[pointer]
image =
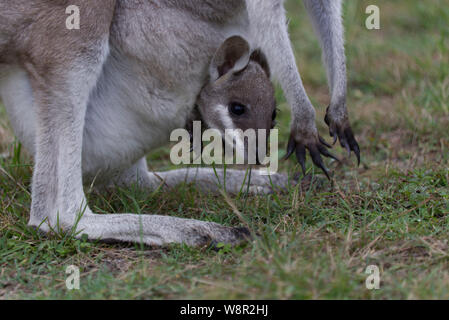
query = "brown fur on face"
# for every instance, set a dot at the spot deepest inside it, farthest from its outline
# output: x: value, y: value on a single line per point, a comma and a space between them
x: 245, y: 87
x: 250, y: 87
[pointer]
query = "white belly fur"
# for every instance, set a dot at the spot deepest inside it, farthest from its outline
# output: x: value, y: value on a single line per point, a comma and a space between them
x: 123, y: 120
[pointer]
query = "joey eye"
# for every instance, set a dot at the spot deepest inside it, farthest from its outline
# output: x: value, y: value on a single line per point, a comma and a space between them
x: 237, y: 109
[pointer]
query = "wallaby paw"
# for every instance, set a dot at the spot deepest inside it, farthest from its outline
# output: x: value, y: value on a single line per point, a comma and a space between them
x: 339, y: 128
x: 317, y: 146
x: 211, y: 234
x: 268, y: 184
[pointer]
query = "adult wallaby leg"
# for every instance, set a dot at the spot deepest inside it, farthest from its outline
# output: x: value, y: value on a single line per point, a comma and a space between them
x: 62, y: 66
x: 206, y: 179
x: 327, y: 20
x: 61, y: 91
x: 269, y: 31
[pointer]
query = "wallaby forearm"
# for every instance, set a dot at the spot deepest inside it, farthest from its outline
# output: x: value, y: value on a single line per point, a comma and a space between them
x: 269, y: 31
x: 326, y: 17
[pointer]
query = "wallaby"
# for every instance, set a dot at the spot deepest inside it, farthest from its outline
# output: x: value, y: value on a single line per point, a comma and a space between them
x: 89, y: 103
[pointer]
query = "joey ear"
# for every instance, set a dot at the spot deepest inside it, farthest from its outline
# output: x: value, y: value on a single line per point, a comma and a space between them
x: 259, y: 57
x: 232, y: 56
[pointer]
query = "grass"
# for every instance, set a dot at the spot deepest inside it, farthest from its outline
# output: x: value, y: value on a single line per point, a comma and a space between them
x: 317, y: 239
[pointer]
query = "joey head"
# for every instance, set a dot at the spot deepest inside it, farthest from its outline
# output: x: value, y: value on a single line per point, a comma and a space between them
x: 238, y: 93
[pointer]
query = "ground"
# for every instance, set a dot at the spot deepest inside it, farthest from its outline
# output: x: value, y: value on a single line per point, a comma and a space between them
x: 317, y: 239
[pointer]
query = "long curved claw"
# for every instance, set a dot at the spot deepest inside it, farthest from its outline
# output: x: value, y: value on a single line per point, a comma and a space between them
x: 301, y: 157
x: 318, y: 161
x: 300, y: 151
x: 290, y: 147
x: 316, y: 149
x: 353, y: 143
x: 343, y: 132
x: 326, y: 152
x: 324, y: 142
x: 332, y: 127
